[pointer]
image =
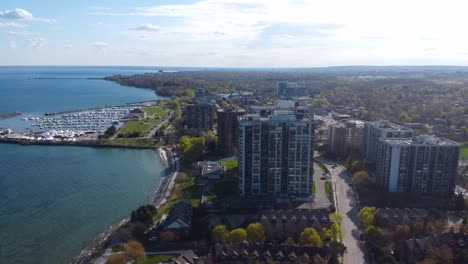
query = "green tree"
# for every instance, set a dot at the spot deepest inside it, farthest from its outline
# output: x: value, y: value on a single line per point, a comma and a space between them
x: 219, y: 234
x: 237, y: 235
x: 310, y: 237
x: 361, y: 178
x: 255, y: 233
x: 430, y: 228
x: 356, y: 165
x: 110, y: 131
x: 191, y: 148
x: 326, y: 234
x: 376, y: 237
x: 143, y: 213
x: 289, y: 241
x: 367, y: 215
x: 336, y: 217
x: 336, y: 231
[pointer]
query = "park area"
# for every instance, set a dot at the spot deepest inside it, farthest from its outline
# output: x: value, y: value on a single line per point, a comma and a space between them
x: 464, y: 151
x: 140, y: 128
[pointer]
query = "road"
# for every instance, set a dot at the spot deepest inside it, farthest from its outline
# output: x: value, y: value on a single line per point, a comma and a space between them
x: 320, y: 196
x: 347, y: 206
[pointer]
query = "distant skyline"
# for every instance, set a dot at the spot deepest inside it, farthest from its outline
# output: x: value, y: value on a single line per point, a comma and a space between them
x: 233, y: 33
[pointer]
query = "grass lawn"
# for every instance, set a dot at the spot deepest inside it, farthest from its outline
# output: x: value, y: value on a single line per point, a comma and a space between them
x: 230, y: 164
x: 314, y: 189
x: 129, y: 142
x: 326, y: 186
x: 184, y: 190
x: 143, y: 126
x: 155, y: 259
x: 157, y: 111
x: 464, y: 151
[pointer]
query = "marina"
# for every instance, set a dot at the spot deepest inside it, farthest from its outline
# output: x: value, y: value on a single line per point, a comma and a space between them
x: 97, y: 120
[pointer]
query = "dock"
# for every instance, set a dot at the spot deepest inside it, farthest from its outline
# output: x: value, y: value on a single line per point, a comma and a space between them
x: 66, y: 78
x: 10, y: 115
x: 134, y: 104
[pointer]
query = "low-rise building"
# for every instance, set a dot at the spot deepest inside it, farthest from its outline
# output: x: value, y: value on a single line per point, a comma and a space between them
x: 137, y: 113
x: 281, y: 224
x: 389, y: 217
x: 416, y: 249
x: 211, y: 170
x: 265, y: 253
x: 178, y: 221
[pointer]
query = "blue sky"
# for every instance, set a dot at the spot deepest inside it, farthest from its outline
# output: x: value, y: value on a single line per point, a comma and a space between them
x: 233, y: 33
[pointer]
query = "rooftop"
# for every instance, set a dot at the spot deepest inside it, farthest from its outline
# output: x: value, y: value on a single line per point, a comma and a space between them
x: 423, y: 140
x: 389, y: 125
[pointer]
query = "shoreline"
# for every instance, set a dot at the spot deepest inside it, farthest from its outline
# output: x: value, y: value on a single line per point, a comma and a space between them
x: 89, y: 143
x: 99, y: 243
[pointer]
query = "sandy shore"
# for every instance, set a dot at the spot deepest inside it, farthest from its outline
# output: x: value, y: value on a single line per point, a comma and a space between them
x: 163, y: 191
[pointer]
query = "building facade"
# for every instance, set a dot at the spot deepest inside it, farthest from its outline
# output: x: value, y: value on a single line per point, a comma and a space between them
x: 276, y: 154
x: 422, y: 165
x: 228, y: 129
x: 200, y: 112
x: 200, y: 115
x: 373, y: 131
x: 290, y: 90
x: 346, y: 137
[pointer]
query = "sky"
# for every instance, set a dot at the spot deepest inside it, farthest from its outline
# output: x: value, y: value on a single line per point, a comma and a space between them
x: 233, y: 33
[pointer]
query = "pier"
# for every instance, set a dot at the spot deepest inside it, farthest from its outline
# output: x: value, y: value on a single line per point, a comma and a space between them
x: 10, y: 115
x: 135, y: 104
x: 67, y: 78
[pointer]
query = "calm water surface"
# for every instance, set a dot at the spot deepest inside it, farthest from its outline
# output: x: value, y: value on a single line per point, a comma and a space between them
x: 54, y: 199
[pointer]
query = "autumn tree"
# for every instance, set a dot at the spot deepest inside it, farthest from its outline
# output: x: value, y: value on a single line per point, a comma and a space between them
x: 367, y: 215
x: 442, y: 254
x: 402, y: 232
x: 120, y: 258
x: 310, y: 237
x: 135, y: 250
x: 237, y: 235
x: 219, y: 234
x: 462, y: 229
x: 167, y: 236
x: 255, y: 233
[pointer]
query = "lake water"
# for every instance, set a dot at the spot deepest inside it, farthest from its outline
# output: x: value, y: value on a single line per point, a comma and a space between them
x: 54, y: 199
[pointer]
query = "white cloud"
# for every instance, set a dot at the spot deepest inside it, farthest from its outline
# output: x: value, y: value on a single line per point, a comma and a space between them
x: 68, y: 44
x: 21, y: 14
x: 37, y: 42
x: 100, y: 46
x: 146, y: 27
x: 17, y: 33
x: 13, y: 25
x: 12, y: 45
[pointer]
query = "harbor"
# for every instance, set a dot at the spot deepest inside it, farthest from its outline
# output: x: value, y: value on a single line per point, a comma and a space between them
x: 85, y: 121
